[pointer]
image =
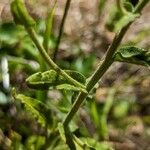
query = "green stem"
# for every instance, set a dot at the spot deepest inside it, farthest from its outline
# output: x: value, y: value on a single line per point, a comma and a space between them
x: 97, y: 75
x: 74, y: 108
x: 62, y: 27
x: 50, y: 62
x: 141, y: 5
x: 101, y: 69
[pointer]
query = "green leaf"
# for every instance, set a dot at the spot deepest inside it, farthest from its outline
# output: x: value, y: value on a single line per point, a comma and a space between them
x: 39, y: 110
x: 76, y: 75
x: 80, y: 145
x: 70, y: 87
x: 52, y: 79
x: 128, y: 52
x: 133, y: 55
x: 43, y: 80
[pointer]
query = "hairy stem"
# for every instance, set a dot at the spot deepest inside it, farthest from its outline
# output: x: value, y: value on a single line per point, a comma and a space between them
x: 62, y: 27
x: 102, y: 67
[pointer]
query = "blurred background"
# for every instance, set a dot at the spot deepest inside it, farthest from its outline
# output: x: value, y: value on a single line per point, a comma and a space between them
x: 88, y: 32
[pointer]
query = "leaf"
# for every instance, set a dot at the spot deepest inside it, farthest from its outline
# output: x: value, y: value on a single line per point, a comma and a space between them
x: 133, y: 55
x: 129, y: 17
x: 39, y: 110
x: 128, y: 52
x: 128, y: 6
x: 70, y: 87
x: 82, y: 145
x: 76, y: 75
x: 50, y: 79
x: 43, y: 80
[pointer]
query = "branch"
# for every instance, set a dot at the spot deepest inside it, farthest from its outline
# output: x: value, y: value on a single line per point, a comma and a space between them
x: 102, y: 67
x: 46, y: 57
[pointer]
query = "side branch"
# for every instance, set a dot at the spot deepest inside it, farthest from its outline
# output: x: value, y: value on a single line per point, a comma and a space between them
x: 50, y: 62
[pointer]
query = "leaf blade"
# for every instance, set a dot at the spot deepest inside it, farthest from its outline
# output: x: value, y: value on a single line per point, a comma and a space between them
x: 134, y: 55
x: 39, y: 110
